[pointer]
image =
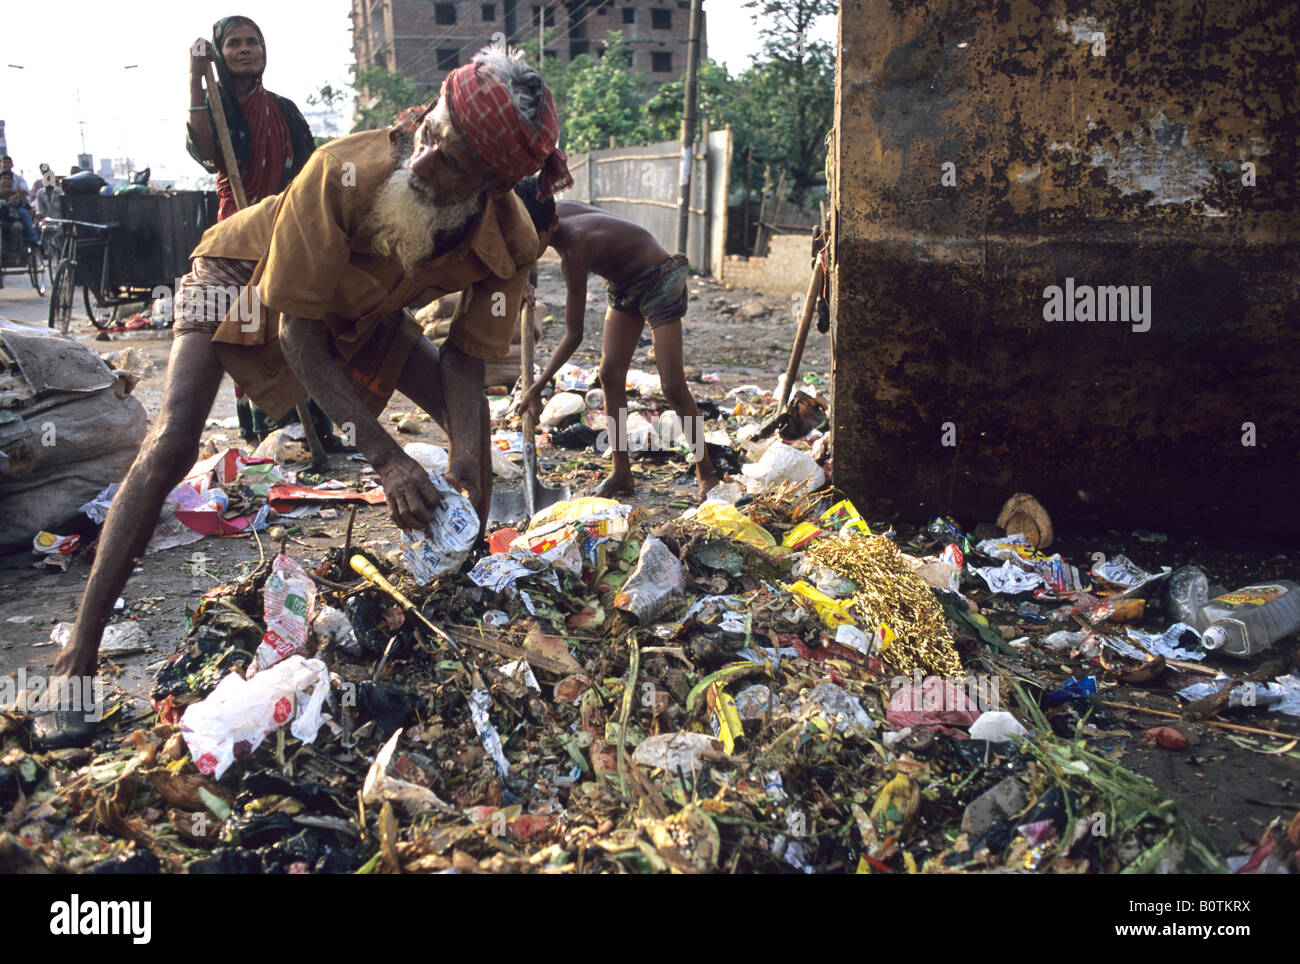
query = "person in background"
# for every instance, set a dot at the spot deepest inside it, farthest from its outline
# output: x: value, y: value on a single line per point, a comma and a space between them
x: 7, y: 167
x: 644, y: 284
x: 49, y: 196
x: 15, y: 216
x: 271, y: 142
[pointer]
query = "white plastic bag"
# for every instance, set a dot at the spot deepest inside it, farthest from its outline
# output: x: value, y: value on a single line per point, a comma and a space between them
x: 781, y: 464
x: 240, y: 713
x: 288, y: 603
x: 562, y: 407
x: 432, y: 458
x: 447, y: 540
x: 997, y: 726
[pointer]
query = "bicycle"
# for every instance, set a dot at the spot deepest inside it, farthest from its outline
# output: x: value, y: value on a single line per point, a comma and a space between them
x: 20, y: 256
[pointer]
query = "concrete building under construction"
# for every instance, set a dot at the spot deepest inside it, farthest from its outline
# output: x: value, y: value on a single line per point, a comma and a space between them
x: 424, y: 40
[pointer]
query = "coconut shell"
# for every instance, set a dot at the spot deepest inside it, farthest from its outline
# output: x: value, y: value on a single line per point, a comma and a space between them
x: 1023, y: 514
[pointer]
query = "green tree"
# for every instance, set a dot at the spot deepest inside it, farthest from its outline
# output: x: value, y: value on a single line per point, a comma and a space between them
x: 793, y: 89
x: 602, y: 100
x: 388, y: 93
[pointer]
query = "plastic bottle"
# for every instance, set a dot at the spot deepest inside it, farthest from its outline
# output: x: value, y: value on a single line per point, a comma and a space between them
x: 1248, y: 621
x: 1186, y: 593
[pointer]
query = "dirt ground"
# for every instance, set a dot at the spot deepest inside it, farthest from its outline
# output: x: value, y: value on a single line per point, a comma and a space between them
x: 1225, y: 782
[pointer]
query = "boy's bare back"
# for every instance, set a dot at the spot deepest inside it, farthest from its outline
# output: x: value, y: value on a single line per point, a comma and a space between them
x: 610, y: 246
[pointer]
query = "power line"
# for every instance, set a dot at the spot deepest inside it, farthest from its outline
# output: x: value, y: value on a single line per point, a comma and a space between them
x: 421, y: 61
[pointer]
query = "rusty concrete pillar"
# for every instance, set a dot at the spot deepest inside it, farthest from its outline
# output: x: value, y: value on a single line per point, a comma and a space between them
x: 1140, y: 158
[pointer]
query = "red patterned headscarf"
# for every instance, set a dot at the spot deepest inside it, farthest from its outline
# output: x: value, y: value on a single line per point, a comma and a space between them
x: 498, y: 133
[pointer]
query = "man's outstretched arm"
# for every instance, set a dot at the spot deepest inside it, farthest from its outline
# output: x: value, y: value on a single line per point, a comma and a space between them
x: 411, y: 496
x: 468, y: 424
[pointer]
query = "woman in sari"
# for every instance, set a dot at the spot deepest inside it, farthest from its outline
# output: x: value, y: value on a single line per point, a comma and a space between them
x: 271, y: 141
x: 270, y: 138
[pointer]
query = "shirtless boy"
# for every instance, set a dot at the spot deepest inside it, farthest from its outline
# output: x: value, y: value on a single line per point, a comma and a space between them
x: 644, y: 284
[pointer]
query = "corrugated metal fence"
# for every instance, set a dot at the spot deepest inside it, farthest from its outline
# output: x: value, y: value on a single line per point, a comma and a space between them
x: 641, y: 184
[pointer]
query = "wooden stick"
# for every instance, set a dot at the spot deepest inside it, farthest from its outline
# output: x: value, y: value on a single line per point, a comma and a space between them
x: 223, y: 138
x: 1175, y: 716
x: 801, y: 337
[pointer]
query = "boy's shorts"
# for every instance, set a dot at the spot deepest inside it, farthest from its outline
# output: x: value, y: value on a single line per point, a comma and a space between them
x: 657, y: 294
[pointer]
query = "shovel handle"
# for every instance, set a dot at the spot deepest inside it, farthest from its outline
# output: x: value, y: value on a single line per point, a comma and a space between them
x: 364, y: 567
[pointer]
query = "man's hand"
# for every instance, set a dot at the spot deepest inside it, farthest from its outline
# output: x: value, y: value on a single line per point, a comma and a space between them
x: 463, y: 473
x: 532, y: 401
x: 411, y: 496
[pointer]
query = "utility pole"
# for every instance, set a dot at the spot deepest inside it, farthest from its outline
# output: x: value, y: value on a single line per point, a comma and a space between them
x: 688, y: 126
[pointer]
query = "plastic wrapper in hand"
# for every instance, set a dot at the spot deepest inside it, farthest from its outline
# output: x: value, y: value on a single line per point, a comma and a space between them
x: 657, y: 579
x: 236, y: 716
x: 288, y: 604
x: 562, y: 408
x: 781, y: 464
x: 447, y: 540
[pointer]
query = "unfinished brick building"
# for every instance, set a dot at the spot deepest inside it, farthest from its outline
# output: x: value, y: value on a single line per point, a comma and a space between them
x: 424, y: 39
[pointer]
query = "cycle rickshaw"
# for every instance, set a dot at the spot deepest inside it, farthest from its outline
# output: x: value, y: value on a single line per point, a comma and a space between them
x: 122, y: 249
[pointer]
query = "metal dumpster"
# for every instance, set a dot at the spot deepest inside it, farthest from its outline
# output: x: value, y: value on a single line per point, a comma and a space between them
x: 1005, y: 172
x: 153, y: 234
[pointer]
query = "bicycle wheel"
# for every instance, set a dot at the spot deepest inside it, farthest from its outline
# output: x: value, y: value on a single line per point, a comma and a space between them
x: 61, y: 292
x: 90, y: 310
x: 36, y: 269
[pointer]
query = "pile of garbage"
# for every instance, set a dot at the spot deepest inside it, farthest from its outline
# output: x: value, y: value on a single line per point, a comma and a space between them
x: 767, y: 682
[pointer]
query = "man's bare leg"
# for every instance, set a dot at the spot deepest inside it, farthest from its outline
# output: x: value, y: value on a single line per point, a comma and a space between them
x: 168, y: 452
x: 621, y: 333
x: 421, y: 382
x: 672, y: 376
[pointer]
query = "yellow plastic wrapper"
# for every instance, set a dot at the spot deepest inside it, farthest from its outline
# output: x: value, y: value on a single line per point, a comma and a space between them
x: 831, y: 611
x: 587, y: 509
x: 801, y: 535
x: 729, y: 520
x: 724, y: 718
x: 844, y: 515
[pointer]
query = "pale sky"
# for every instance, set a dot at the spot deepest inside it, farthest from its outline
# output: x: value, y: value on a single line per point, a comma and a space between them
x: 130, y: 64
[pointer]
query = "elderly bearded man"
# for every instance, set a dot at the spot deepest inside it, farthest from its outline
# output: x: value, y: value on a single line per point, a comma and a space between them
x: 374, y: 222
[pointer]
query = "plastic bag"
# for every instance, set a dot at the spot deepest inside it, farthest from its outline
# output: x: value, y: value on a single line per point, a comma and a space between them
x: 562, y: 409
x: 288, y: 602
x: 236, y: 716
x: 836, y: 706
x: 781, y: 464
x: 727, y: 519
x: 447, y: 540
x: 652, y: 585
x: 997, y: 726
x: 380, y: 786
x: 432, y: 458
x: 333, y: 628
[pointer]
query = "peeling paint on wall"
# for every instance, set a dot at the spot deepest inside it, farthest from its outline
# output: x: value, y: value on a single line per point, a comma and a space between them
x: 1156, y: 157
x: 1082, y: 30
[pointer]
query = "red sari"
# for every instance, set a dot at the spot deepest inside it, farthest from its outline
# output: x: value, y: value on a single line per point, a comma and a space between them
x: 272, y: 152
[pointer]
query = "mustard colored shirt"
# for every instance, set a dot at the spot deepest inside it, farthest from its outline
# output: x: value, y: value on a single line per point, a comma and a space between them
x: 313, y: 261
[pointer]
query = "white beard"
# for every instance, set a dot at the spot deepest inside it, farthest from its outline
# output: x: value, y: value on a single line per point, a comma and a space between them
x: 403, y: 219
